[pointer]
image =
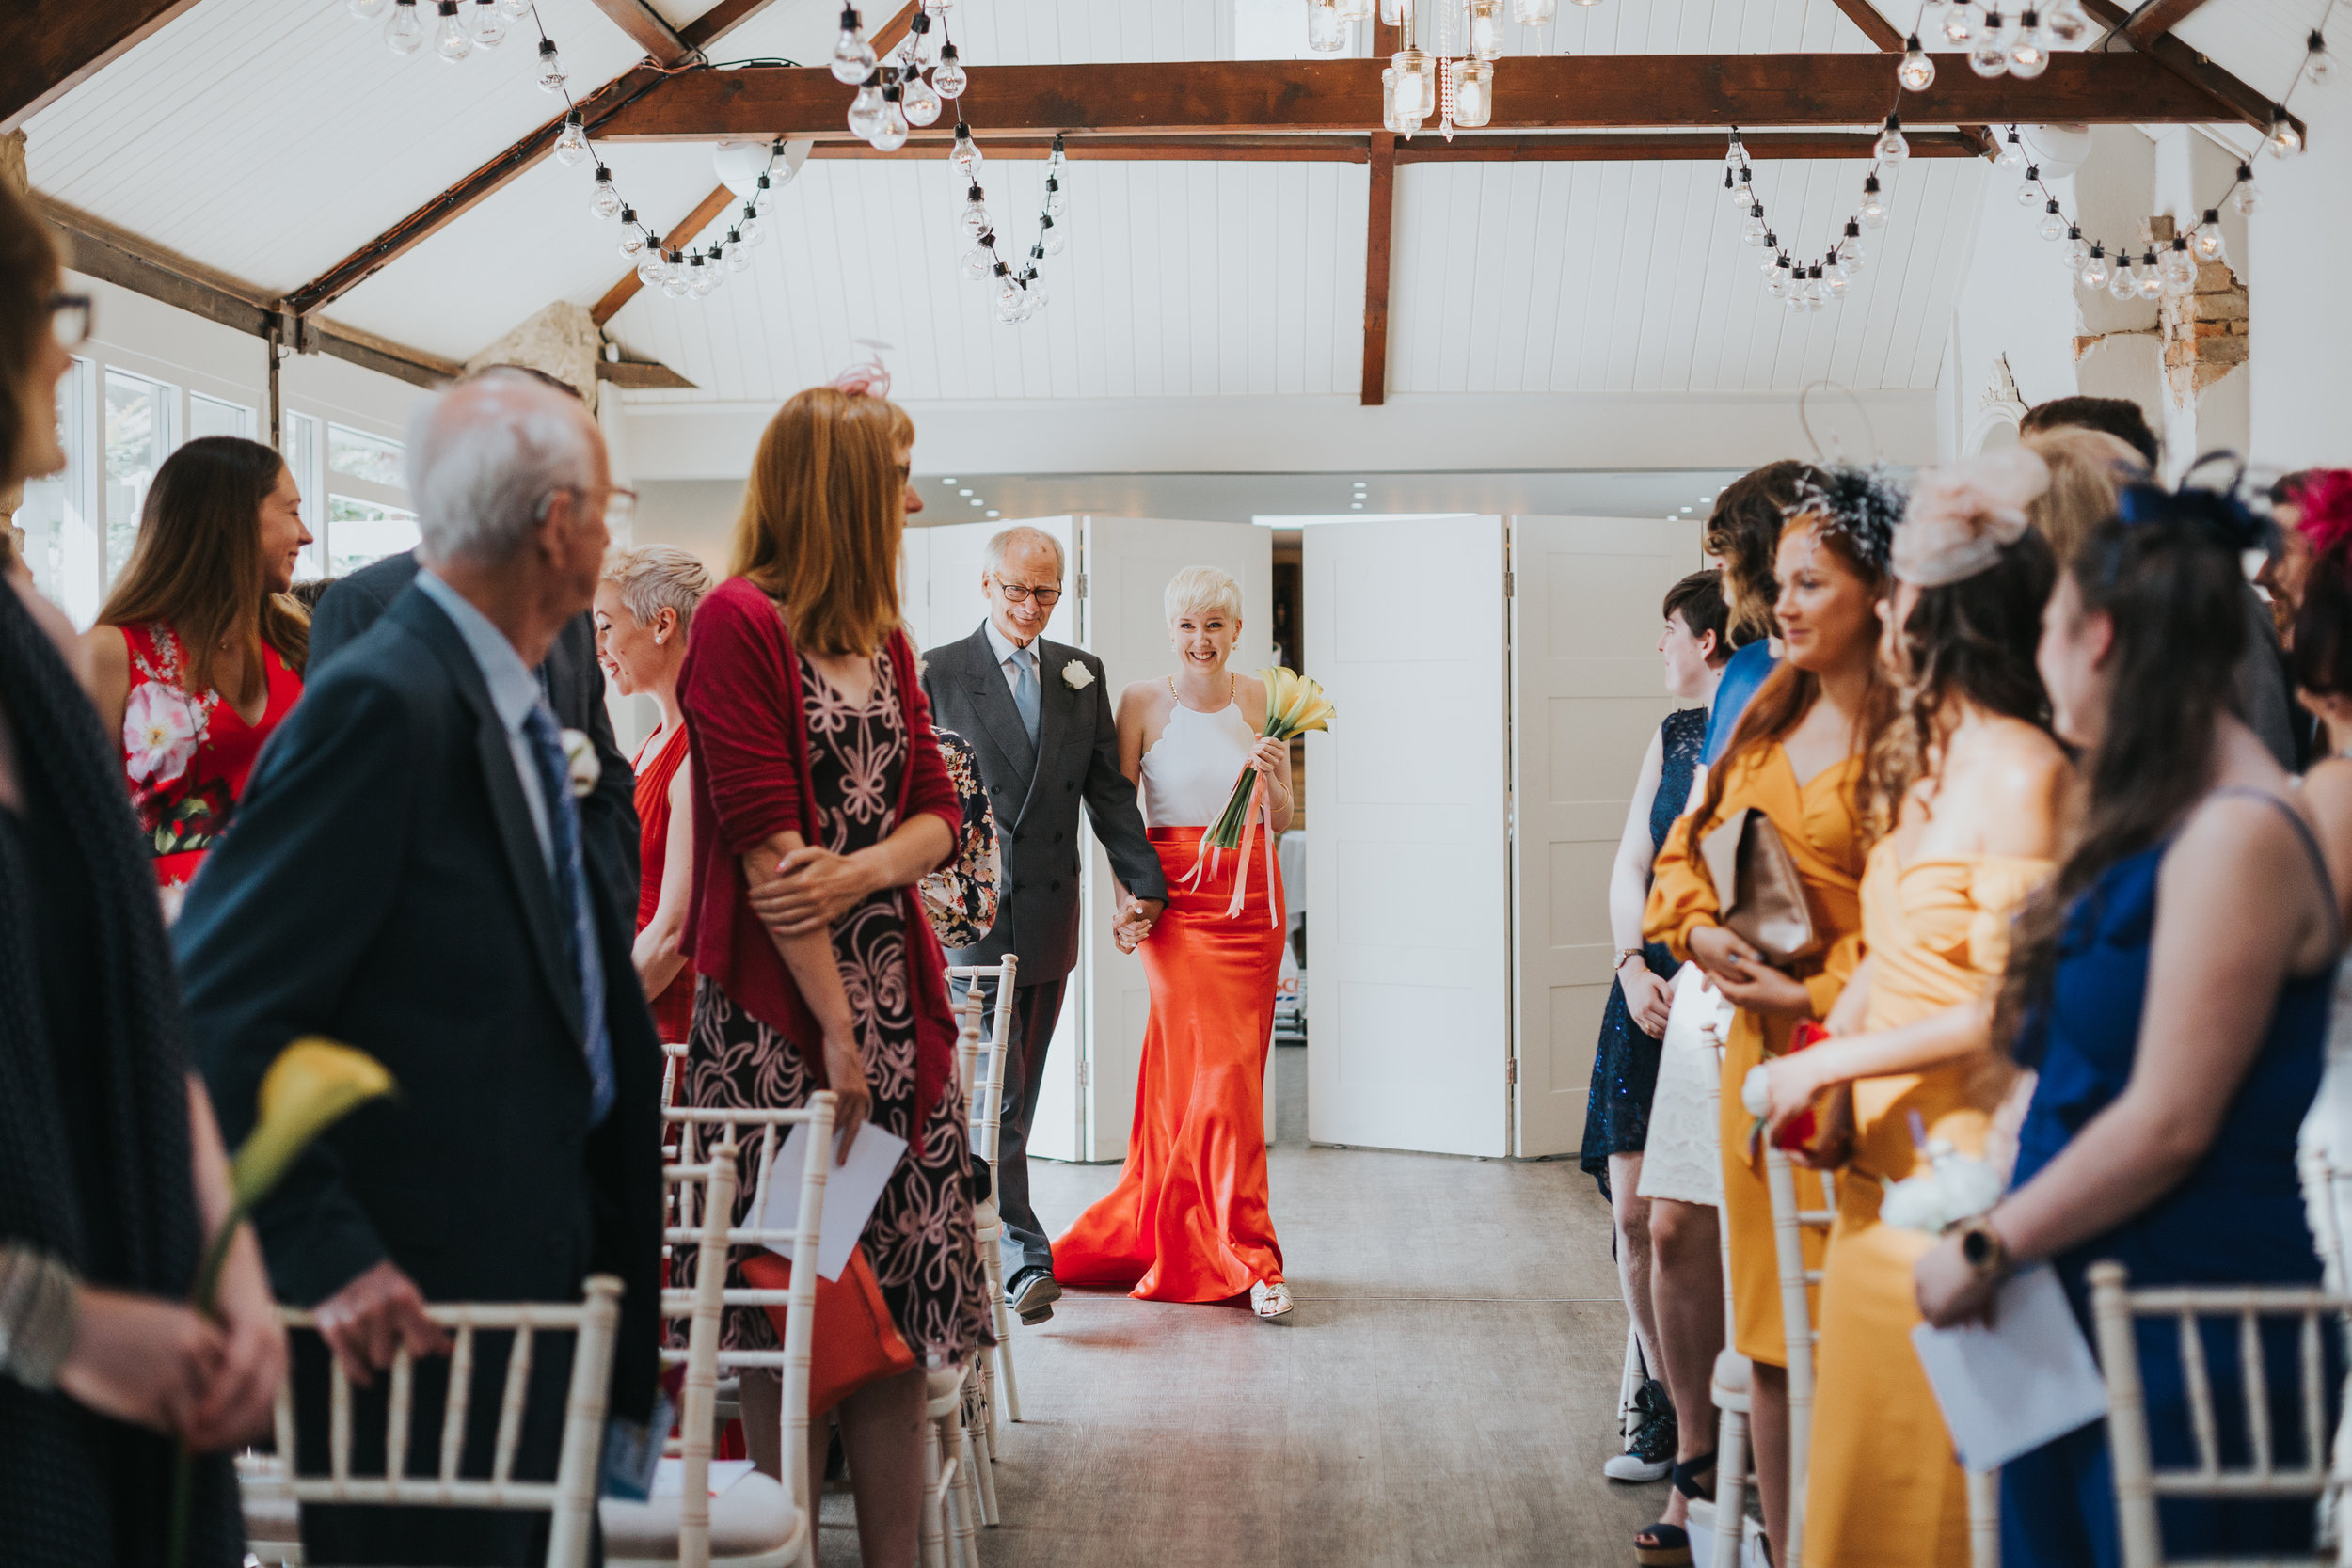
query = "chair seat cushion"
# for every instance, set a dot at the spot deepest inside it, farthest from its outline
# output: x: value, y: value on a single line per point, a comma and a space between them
x: 753, y: 1516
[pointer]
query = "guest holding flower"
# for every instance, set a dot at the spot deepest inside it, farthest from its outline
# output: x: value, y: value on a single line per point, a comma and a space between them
x: 645, y: 601
x: 198, y: 656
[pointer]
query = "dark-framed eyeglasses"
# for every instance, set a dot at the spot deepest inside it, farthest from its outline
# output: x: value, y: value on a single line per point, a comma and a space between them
x: 70, y: 319
x: 1017, y: 593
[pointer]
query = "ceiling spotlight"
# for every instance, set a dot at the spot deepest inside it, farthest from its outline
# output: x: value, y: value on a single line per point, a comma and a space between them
x: 1355, y: 506
x: 995, y: 514
x: 959, y: 492
x: 1686, y: 509
x: 977, y: 502
x: 949, y: 480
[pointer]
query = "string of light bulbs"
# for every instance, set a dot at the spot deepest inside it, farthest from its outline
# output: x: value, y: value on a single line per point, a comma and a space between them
x: 1808, y: 287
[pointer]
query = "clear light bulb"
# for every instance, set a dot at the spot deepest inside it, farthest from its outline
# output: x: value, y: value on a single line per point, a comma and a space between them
x: 1769, y: 257
x: 1964, y: 22
x: 891, y: 133
x: 2012, y: 151
x: 1325, y: 33
x: 852, y: 56
x: 1008, y: 292
x: 1473, y: 92
x: 1053, y: 242
x: 2052, y: 226
x: 1916, y: 72
x: 753, y: 227
x: 1817, y: 289
x: 762, y: 194
x: 738, y: 254
x: 651, y: 269
x: 1989, y: 56
x: 1833, y: 283
x: 1892, y: 149
x: 1056, y: 202
x: 2207, y: 243
x: 404, y: 30
x: 2319, y: 68
x: 515, y: 9
x: 2123, y: 285
x: 2078, y: 248
x: 2029, y: 52
x: 976, y: 262
x: 701, y: 279
x: 549, y: 75
x: 1873, y: 211
x: 484, y: 22
x: 1751, y: 231
x: 919, y: 102
x: 2151, y: 277
x: 571, y: 143
x: 2068, y: 24
x: 1532, y: 13
x: 605, y: 202
x: 2285, y: 140
x: 1779, y: 281
x: 965, y: 152
x: 865, y: 109
x: 2095, y: 272
x: 1486, y: 29
x: 450, y: 39
x: 974, y: 214
x: 1742, y: 189
x: 2248, y: 196
x: 632, y: 237
x: 948, y: 77
x: 1851, y: 255
x: 2176, y: 274
x: 674, y: 283
x: 366, y: 10
x: 2029, y: 193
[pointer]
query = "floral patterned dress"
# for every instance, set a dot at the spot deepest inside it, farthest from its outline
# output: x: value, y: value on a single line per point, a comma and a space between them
x: 960, y: 899
x: 919, y: 1239
x: 186, y: 758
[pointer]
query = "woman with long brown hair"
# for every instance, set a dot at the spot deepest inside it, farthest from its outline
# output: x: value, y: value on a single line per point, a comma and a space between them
x: 819, y: 801
x: 197, y: 657
x: 1796, y: 758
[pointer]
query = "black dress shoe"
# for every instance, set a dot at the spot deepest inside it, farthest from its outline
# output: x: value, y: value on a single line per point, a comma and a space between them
x: 1032, y: 1292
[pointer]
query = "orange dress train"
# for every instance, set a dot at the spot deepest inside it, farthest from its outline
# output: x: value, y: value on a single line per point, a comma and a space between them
x: 1188, y: 1220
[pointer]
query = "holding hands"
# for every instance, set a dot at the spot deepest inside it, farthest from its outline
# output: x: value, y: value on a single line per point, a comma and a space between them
x: 1136, y: 917
x: 1745, y: 980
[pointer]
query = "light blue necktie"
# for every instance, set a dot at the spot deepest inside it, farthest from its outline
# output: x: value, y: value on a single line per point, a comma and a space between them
x: 1025, y: 689
x: 571, y: 895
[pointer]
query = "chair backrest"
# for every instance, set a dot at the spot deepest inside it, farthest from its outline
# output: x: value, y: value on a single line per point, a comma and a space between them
x: 700, y: 1304
x: 2323, y: 1205
x: 1790, y: 1223
x: 2115, y: 1310
x: 706, y: 1131
x: 571, y: 1496
x: 981, y: 1056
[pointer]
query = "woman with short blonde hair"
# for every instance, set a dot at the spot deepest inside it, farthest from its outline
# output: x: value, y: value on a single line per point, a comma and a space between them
x: 821, y: 801
x: 2088, y: 468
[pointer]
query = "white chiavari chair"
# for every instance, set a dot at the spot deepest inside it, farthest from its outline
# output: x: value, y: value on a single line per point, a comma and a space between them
x: 757, y: 1522
x: 570, y: 1497
x: 1796, y: 1282
x: 985, y: 1089
x: 2322, y: 1476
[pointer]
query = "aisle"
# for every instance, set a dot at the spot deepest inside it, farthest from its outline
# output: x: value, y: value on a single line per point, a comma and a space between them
x: 1443, y: 1394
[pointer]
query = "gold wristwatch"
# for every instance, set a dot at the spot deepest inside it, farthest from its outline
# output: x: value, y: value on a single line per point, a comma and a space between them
x: 1982, y: 1249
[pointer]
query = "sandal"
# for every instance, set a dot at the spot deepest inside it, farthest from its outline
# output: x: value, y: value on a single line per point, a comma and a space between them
x: 1270, y: 1301
x: 1669, y: 1546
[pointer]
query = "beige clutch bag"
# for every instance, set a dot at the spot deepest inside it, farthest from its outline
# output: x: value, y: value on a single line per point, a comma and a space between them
x: 1757, y: 881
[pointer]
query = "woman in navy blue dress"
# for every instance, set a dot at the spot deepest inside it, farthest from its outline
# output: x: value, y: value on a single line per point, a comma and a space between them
x: 2173, y: 989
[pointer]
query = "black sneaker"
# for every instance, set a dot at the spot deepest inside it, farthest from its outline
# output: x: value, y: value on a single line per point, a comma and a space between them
x: 1032, y: 1292
x: 1649, y: 1455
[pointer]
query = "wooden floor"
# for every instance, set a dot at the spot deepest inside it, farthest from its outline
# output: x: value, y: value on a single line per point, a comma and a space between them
x: 1444, y: 1394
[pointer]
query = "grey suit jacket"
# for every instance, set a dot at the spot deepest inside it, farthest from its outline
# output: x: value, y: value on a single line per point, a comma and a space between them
x: 1035, y: 792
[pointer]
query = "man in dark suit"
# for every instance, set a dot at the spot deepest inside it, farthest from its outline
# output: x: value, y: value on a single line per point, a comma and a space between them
x: 408, y: 875
x: 1039, y: 717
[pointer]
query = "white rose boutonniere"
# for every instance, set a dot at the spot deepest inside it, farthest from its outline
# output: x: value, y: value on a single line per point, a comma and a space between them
x: 1076, y: 676
x: 581, y: 762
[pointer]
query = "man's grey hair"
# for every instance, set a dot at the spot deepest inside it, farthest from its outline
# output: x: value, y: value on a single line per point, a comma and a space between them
x: 483, y: 459
x: 1004, y: 543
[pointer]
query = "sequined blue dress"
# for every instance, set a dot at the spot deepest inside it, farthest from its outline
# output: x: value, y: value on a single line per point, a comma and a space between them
x: 2237, y: 1219
x: 1625, y: 1063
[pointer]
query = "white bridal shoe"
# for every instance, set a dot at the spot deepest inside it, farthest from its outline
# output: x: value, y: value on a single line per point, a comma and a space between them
x: 1270, y: 1301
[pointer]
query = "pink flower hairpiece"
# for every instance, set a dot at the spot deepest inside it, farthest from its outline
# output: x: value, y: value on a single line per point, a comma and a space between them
x: 2326, y: 504
x: 871, y: 380
x: 1964, y: 514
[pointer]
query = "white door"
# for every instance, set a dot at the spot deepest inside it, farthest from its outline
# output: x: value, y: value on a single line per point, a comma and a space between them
x: 1586, y: 695
x: 1125, y: 563
x: 1409, y: 947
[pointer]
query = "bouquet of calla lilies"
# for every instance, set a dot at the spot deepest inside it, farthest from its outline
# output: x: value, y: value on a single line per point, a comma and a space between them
x: 1294, y: 706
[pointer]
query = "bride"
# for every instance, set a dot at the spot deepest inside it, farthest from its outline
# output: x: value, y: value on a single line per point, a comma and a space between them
x: 1188, y: 1220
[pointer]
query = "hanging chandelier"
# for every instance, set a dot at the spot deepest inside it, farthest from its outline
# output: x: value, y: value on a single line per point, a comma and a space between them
x: 1454, y: 89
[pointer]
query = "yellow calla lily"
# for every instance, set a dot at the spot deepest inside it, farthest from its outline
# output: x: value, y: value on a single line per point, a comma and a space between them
x: 314, y: 1083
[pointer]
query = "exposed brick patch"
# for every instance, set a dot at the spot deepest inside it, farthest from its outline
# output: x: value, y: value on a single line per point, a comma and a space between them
x: 2204, y: 331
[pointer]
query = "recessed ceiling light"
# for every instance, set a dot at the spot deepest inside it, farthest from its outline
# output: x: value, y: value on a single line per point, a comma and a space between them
x: 995, y: 514
x: 977, y: 502
x: 1355, y: 506
x: 949, y: 480
x: 1686, y: 509
x: 963, y: 492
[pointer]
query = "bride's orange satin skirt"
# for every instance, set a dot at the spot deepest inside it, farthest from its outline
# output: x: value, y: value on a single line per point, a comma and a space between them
x: 1188, y: 1220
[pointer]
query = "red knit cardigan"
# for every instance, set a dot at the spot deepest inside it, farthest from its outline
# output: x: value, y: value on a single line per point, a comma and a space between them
x: 741, y: 690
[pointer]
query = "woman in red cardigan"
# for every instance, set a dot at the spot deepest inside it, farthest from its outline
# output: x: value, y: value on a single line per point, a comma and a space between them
x: 819, y: 800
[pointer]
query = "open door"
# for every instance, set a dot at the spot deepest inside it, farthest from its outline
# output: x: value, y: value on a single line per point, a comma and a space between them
x: 1585, y: 699
x: 1408, y: 945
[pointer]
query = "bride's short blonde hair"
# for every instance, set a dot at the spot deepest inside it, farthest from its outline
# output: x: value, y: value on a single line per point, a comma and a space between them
x: 1203, y: 588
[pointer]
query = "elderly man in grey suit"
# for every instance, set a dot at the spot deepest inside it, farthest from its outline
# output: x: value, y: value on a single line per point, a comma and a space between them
x: 1039, y: 716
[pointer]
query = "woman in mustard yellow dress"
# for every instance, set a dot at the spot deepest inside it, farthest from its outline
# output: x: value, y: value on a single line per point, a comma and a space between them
x: 1969, y: 781
x: 1797, y: 756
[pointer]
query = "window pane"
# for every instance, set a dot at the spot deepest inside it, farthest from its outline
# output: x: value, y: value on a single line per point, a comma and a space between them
x: 212, y: 417
x: 364, y: 456
x: 299, y: 436
x: 359, y: 532
x: 60, y: 536
x: 139, y: 437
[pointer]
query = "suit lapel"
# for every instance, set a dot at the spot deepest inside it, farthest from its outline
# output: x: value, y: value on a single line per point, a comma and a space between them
x: 985, y: 680
x: 516, y: 837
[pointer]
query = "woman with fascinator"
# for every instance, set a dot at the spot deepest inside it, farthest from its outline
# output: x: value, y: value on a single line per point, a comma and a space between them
x: 1795, y: 762
x: 2171, y: 990
x: 1964, y: 788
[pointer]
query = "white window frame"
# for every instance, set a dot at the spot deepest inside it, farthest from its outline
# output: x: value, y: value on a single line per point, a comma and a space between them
x: 171, y: 415
x: 243, y: 420
x: 309, y: 476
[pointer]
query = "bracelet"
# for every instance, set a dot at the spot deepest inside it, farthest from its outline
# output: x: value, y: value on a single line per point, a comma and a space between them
x: 40, y: 1311
x: 1982, y: 1249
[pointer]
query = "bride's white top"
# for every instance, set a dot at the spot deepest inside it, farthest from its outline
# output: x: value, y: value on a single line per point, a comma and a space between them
x: 1189, y: 771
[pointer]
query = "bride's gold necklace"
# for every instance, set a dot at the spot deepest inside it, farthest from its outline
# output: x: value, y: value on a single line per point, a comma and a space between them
x: 1233, y: 684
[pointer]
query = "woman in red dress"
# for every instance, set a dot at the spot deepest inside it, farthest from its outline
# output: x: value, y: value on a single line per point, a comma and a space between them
x: 198, y: 656
x: 643, y: 606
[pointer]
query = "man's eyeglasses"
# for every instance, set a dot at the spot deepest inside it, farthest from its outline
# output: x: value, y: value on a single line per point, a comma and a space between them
x: 69, y: 319
x: 1016, y: 593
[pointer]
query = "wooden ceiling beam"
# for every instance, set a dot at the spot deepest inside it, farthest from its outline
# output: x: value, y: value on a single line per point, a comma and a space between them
x: 48, y: 50
x: 1880, y: 31
x: 1670, y: 147
x: 2230, y: 98
x: 2157, y: 18
x: 648, y: 31
x: 494, y: 176
x: 1555, y: 93
x: 1379, y: 235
